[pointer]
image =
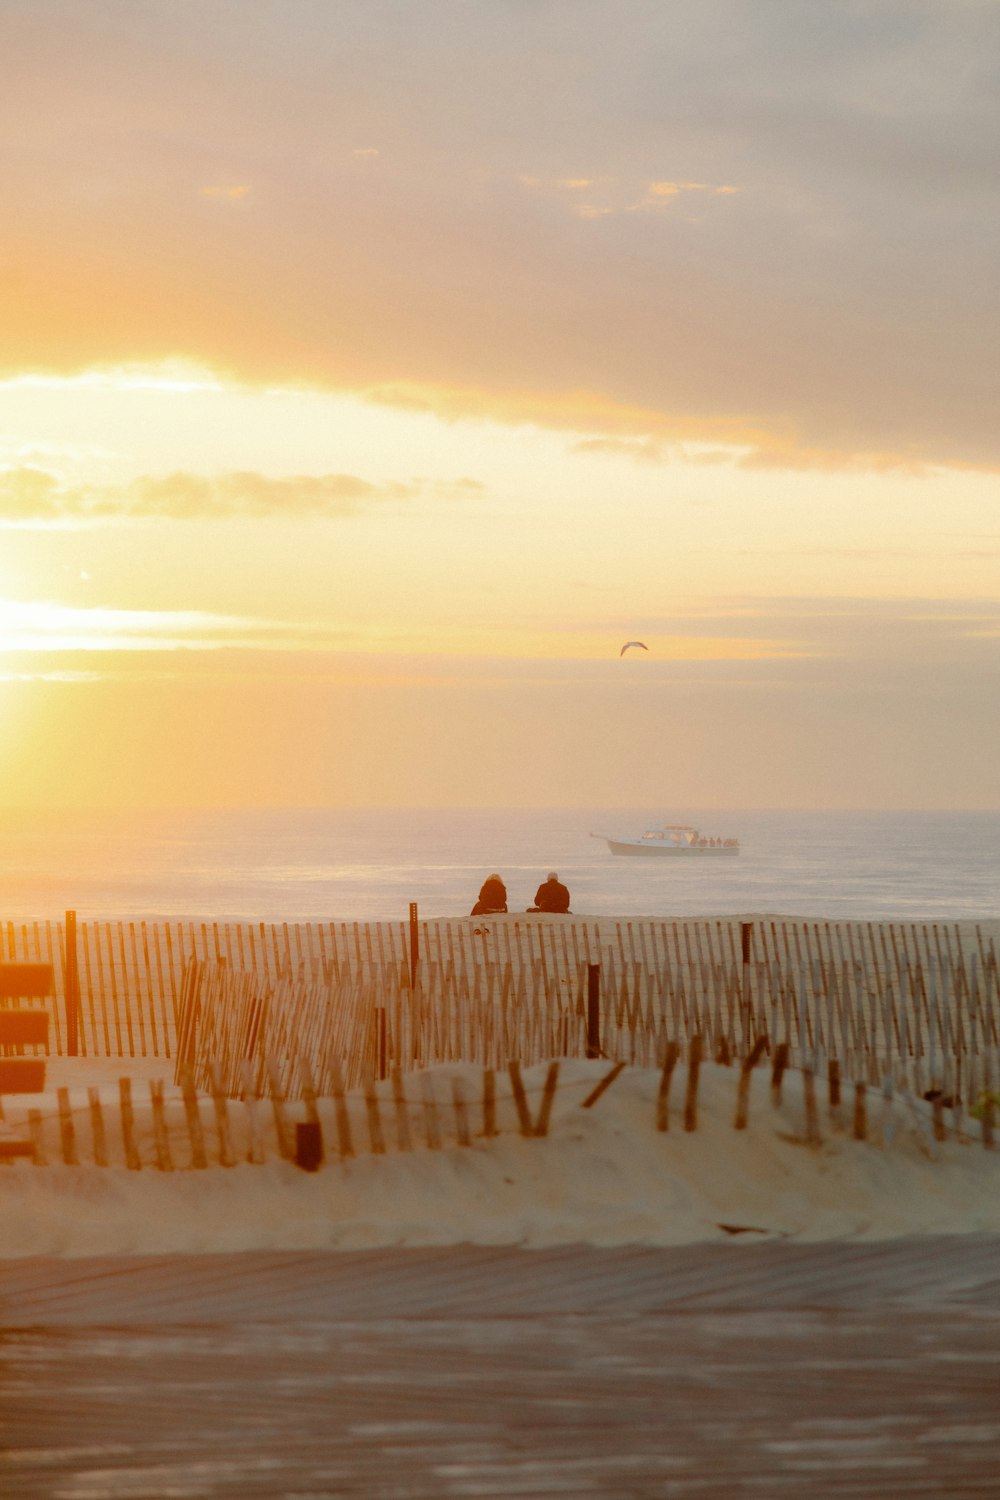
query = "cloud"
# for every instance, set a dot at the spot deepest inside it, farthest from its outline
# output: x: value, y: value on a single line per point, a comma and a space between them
x: 612, y: 195
x: 231, y: 193
x: 642, y: 450
x: 40, y: 627
x: 33, y: 495
x: 826, y: 638
x: 841, y: 303
x: 73, y: 675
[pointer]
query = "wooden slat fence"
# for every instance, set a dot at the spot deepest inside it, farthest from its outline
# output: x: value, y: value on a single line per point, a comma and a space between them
x: 933, y: 1028
x: 868, y: 993
x: 149, y: 1127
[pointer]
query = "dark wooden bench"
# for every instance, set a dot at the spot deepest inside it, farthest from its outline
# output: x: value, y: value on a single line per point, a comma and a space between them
x: 20, y: 1028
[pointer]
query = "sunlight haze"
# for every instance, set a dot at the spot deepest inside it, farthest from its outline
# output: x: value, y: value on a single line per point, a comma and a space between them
x: 371, y: 372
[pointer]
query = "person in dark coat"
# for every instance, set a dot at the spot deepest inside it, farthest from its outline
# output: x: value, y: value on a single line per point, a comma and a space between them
x: 551, y: 896
x: 492, y: 897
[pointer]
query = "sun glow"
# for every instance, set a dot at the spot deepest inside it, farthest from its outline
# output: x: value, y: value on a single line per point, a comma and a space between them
x: 43, y: 626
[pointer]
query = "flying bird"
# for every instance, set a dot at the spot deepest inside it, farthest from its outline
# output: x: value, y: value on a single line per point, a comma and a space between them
x: 627, y: 644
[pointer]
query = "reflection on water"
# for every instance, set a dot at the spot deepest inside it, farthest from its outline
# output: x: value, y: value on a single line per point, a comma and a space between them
x: 322, y: 865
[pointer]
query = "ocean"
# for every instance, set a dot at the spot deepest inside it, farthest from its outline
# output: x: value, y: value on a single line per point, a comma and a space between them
x: 300, y: 865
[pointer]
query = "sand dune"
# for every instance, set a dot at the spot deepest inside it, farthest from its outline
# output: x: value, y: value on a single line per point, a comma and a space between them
x: 603, y: 1176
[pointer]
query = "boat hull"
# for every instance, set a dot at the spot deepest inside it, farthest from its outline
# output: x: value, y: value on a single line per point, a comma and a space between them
x: 649, y: 850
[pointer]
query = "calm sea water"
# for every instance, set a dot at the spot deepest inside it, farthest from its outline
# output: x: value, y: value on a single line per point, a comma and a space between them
x: 322, y: 865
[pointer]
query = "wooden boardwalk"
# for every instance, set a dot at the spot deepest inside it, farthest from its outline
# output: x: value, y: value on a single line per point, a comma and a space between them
x: 831, y: 1371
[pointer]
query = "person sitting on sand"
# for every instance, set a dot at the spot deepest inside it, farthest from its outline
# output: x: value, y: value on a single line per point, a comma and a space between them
x: 552, y: 896
x: 492, y: 897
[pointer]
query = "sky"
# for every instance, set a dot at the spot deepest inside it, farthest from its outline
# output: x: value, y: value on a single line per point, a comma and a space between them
x: 371, y: 371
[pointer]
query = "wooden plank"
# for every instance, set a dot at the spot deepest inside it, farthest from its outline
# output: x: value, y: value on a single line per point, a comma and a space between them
x: 12, y: 1147
x: 26, y: 981
x: 22, y: 1075
x: 24, y: 1028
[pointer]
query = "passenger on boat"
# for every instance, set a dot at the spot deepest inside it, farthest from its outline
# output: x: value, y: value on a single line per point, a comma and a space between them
x: 551, y: 896
x: 492, y: 897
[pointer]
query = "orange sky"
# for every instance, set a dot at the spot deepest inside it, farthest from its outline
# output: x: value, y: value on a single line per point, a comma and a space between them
x: 370, y: 372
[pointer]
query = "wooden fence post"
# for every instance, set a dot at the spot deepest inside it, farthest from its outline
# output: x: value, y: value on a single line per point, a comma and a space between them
x: 219, y: 1104
x: 132, y: 1158
x: 743, y: 1087
x: 663, y: 1095
x: 937, y: 1111
x: 593, y: 1010
x: 36, y: 1130
x: 548, y: 1095
x: 71, y: 989
x: 67, y: 1130
x: 414, y: 944
x: 432, y: 1124
x: 489, y: 1103
x: 778, y: 1067
x: 192, y: 1114
x: 161, y: 1139
x: 812, y: 1114
x: 860, y: 1130
x: 308, y: 1145
x: 461, y: 1113
x: 691, y: 1095
x: 746, y: 972
x: 402, y: 1111
x: 344, y: 1143
x: 520, y: 1098
x: 97, y: 1128
x: 888, y: 1123
x: 255, y: 1147
x: 277, y: 1107
x: 381, y: 1059
x: 375, y: 1136
x: 604, y: 1084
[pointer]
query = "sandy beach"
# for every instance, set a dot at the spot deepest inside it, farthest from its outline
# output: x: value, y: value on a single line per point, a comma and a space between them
x: 602, y: 1176
x: 446, y: 1172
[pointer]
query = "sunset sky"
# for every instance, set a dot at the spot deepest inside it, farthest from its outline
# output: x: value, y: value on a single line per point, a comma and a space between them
x: 370, y: 370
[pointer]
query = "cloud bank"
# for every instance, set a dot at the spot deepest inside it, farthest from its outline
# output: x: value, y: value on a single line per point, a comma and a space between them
x: 33, y: 495
x: 774, y: 219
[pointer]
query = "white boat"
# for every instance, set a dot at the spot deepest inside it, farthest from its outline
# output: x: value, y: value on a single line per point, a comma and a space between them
x: 677, y: 840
